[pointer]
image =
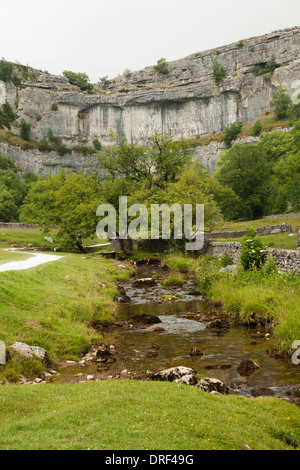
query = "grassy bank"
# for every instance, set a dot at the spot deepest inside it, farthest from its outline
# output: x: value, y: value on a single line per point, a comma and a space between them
x: 141, y: 415
x: 251, y: 295
x: 56, y: 306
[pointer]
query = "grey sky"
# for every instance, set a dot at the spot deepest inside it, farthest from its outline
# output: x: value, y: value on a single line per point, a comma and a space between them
x: 105, y: 37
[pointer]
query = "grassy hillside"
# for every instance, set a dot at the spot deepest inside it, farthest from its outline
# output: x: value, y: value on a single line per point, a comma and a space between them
x: 56, y: 305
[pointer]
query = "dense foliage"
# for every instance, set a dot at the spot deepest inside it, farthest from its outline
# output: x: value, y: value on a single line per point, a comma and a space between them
x: 13, y: 190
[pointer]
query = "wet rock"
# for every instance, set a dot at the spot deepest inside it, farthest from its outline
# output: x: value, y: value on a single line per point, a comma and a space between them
x: 221, y: 365
x: 159, y: 328
x: 262, y: 392
x: 247, y: 367
x: 144, y: 318
x: 194, y: 291
x: 213, y: 385
x: 188, y: 379
x: 146, y: 282
x: 238, y: 382
x: 125, y: 299
x: 104, y: 355
x: 29, y: 352
x: 219, y: 324
x: 153, y: 351
x: 195, y: 352
x: 172, y: 374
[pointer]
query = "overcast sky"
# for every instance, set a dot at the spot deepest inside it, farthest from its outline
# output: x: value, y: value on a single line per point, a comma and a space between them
x: 105, y: 37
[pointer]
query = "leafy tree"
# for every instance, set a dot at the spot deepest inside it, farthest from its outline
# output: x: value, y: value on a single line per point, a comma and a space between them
x: 231, y: 133
x: 257, y: 128
x: 155, y: 164
x: 67, y: 200
x: 195, y: 186
x: 8, y: 207
x: 162, y: 67
x: 245, y: 170
x: 281, y: 103
x: 81, y: 80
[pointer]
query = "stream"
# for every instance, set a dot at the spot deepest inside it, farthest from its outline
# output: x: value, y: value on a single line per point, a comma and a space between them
x: 184, y: 316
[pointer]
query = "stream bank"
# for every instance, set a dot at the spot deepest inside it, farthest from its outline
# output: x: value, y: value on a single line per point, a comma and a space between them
x: 186, y: 323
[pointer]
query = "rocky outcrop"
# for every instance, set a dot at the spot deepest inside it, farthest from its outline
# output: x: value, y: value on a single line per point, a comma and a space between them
x: 186, y: 101
x: 29, y: 352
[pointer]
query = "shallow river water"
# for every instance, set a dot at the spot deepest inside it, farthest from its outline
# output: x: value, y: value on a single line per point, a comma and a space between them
x: 275, y: 376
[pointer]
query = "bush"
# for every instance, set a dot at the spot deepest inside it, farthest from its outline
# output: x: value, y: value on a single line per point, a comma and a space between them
x: 232, y: 132
x: 25, y: 130
x: 7, y: 116
x: 162, y: 67
x: 266, y: 68
x: 81, y: 80
x: 257, y: 128
x: 226, y: 260
x: 219, y: 73
x: 54, y: 107
x: 252, y: 251
x: 97, y: 144
x: 127, y: 73
x: 281, y: 102
x: 6, y: 70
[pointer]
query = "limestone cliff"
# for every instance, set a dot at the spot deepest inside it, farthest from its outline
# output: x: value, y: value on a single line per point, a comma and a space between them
x: 187, y: 100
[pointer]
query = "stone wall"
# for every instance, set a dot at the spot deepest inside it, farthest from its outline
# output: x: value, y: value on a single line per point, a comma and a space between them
x: 219, y: 249
x: 268, y: 230
x: 16, y: 225
x: 284, y: 260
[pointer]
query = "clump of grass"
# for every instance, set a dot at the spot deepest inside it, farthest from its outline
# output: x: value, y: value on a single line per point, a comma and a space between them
x: 173, y: 281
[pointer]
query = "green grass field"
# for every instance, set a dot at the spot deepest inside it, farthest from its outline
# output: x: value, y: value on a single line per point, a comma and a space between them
x: 141, y: 415
x: 56, y: 306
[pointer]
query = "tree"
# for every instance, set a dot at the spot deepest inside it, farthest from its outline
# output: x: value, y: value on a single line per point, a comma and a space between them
x: 67, y: 200
x: 81, y: 80
x: 153, y: 165
x: 231, y: 133
x: 281, y: 103
x: 246, y: 171
x: 162, y: 67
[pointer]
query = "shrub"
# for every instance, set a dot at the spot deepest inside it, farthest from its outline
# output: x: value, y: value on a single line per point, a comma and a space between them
x: 257, y: 128
x: 252, y: 251
x: 226, y: 260
x: 219, y: 73
x: 103, y: 81
x: 54, y: 107
x: 25, y: 130
x: 127, y: 73
x: 162, y: 67
x: 232, y: 132
x: 7, y: 116
x: 281, y: 102
x: 265, y: 68
x: 81, y: 80
x: 6, y: 70
x: 97, y: 144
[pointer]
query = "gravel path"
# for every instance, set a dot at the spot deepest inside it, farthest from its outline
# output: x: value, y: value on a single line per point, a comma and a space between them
x: 36, y: 260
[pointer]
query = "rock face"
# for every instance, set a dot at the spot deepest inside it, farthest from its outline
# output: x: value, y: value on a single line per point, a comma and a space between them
x: 187, y: 100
